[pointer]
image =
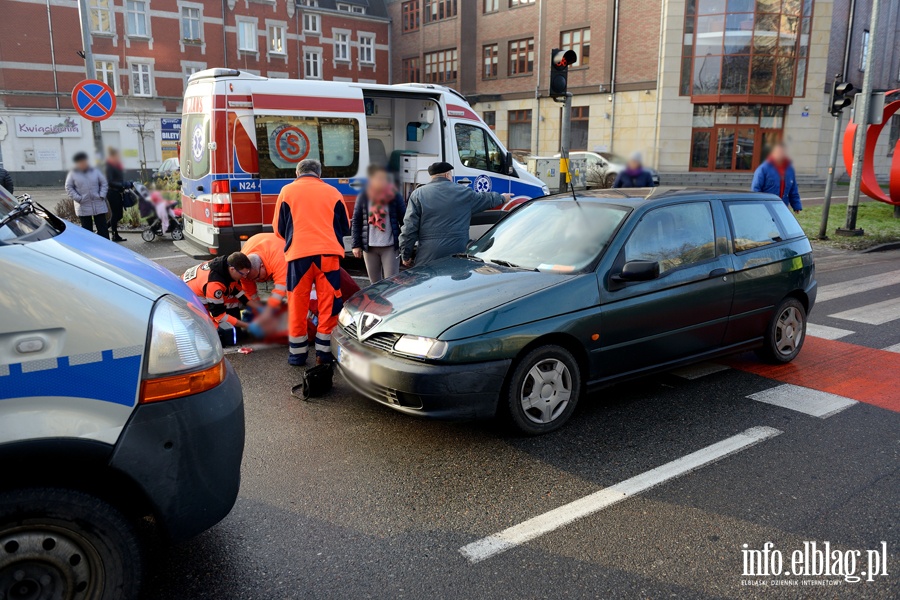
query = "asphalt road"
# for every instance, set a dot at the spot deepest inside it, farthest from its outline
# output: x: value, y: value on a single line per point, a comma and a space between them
x: 343, y: 498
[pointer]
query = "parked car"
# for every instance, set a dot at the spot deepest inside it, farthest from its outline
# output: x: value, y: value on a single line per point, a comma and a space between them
x: 618, y: 163
x: 568, y: 295
x: 168, y: 168
x: 603, y: 167
x: 115, y: 404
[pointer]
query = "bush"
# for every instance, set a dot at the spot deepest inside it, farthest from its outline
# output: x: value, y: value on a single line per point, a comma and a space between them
x: 131, y: 217
x: 65, y: 209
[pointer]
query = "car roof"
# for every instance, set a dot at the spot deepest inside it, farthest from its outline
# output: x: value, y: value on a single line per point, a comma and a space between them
x: 636, y: 197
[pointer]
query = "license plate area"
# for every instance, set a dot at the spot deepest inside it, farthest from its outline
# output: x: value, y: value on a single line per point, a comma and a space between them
x: 357, y: 365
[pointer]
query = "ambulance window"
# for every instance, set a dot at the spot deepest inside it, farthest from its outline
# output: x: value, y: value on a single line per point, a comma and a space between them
x: 284, y: 141
x: 477, y: 150
x: 194, y: 146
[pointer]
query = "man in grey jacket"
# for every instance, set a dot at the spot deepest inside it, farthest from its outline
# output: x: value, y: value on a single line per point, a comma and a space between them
x: 438, y: 216
x: 87, y: 187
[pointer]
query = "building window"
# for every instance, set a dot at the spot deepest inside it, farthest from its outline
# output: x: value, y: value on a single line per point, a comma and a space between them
x: 578, y: 40
x: 862, y: 52
x: 410, y: 15
x: 277, y: 41
x: 366, y: 49
x: 312, y: 64
x: 519, y: 130
x: 745, y: 48
x: 189, y: 69
x: 352, y: 8
x: 490, y: 119
x: 521, y: 57
x: 342, y: 46
x: 191, y: 24
x: 141, y: 80
x: 441, y: 67
x: 136, y: 18
x: 732, y: 137
x: 310, y: 3
x: 247, y: 38
x: 514, y: 3
x: 102, y: 20
x: 578, y: 134
x: 312, y: 23
x: 491, y: 6
x: 490, y: 56
x: 106, y: 72
x: 436, y: 10
x: 411, y: 73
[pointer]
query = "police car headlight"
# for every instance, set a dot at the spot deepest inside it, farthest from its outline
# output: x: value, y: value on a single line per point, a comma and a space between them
x: 421, y: 347
x: 345, y: 318
x: 184, y: 354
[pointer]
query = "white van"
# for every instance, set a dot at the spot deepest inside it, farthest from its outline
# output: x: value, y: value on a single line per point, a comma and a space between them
x: 242, y: 136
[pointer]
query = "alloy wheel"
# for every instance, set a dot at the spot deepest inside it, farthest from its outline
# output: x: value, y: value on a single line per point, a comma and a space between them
x: 546, y: 390
x: 788, y: 331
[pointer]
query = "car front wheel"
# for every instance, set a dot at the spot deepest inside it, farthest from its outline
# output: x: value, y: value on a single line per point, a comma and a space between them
x: 786, y: 333
x: 57, y: 543
x: 543, y: 390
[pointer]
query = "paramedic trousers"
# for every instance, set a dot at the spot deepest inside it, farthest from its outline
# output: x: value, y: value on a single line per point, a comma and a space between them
x: 325, y: 272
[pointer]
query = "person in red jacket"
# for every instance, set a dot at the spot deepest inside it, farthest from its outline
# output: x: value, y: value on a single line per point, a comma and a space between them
x: 311, y: 218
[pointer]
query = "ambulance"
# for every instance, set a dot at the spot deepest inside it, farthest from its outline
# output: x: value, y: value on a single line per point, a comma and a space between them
x: 242, y: 136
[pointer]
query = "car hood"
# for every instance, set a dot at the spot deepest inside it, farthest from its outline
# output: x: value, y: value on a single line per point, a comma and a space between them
x: 430, y: 299
x: 89, y: 252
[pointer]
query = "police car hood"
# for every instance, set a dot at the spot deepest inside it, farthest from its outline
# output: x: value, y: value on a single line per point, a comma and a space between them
x: 92, y: 254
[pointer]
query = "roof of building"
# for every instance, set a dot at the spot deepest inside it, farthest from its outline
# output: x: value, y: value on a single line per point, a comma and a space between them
x: 374, y: 8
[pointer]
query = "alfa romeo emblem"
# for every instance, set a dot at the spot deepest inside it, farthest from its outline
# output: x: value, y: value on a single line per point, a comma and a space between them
x: 367, y: 322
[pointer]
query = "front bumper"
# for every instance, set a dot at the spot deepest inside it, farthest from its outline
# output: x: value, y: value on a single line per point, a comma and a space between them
x: 185, y: 454
x: 440, y: 391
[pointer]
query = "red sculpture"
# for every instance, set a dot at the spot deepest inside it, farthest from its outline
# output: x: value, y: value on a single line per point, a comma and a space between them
x: 869, y: 184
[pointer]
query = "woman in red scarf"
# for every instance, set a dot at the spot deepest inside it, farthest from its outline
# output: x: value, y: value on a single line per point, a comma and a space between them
x: 377, y: 218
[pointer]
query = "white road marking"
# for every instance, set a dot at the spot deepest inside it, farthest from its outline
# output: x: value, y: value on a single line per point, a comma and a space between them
x: 894, y: 348
x: 559, y: 517
x: 699, y: 370
x: 168, y: 257
x: 805, y: 400
x: 855, y: 286
x: 827, y: 333
x: 873, y: 314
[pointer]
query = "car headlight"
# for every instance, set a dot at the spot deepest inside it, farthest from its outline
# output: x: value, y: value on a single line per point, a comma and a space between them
x: 345, y: 318
x: 184, y: 354
x: 545, y: 189
x: 422, y: 347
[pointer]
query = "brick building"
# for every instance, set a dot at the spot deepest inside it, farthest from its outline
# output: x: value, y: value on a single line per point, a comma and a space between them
x: 701, y: 87
x: 146, y: 50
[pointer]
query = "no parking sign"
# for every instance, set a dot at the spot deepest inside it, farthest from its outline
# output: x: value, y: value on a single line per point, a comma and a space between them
x: 94, y: 100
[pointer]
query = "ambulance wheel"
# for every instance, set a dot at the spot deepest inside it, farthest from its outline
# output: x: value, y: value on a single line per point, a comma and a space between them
x: 147, y: 235
x: 177, y: 234
x: 57, y: 543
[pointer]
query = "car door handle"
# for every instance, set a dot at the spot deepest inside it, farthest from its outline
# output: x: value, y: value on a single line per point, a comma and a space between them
x: 718, y: 273
x: 464, y: 181
x: 356, y: 185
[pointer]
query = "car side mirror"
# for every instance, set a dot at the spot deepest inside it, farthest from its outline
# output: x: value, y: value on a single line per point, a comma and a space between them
x: 508, y: 163
x: 638, y: 270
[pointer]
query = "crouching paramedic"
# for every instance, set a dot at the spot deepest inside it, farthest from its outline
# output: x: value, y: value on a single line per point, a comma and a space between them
x: 217, y: 284
x: 266, y: 254
x: 311, y: 218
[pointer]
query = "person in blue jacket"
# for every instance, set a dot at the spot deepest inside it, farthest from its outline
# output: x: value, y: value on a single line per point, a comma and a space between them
x: 634, y: 175
x: 776, y: 176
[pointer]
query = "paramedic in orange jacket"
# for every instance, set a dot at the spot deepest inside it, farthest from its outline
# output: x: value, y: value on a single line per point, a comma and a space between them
x: 217, y: 284
x: 266, y: 254
x: 311, y: 218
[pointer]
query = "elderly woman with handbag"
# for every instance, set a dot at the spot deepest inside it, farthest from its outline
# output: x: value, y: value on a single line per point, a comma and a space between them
x: 87, y: 187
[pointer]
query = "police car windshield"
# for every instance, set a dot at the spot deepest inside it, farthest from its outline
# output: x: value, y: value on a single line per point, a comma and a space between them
x: 20, y: 226
x: 562, y: 236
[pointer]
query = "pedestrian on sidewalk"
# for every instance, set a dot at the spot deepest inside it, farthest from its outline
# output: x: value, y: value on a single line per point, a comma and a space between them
x: 377, y: 218
x: 439, y: 214
x: 311, y: 218
x: 776, y: 176
x: 87, y: 187
x: 6, y: 180
x: 634, y: 175
x: 115, y: 177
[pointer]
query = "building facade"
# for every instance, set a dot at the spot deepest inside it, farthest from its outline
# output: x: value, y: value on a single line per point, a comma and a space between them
x: 702, y: 88
x: 145, y: 50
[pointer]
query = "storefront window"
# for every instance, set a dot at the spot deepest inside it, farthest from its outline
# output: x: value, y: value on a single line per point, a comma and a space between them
x: 732, y: 137
x: 745, y: 48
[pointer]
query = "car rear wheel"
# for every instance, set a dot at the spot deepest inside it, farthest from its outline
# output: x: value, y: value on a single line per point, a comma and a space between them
x: 786, y: 333
x: 57, y: 543
x: 543, y: 390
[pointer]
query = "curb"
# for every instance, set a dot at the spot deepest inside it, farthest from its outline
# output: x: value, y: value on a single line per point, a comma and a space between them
x: 882, y: 247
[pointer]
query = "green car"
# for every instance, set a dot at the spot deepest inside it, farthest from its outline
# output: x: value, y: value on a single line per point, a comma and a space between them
x: 566, y: 295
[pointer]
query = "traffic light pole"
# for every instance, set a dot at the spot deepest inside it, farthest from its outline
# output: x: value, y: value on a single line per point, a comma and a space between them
x: 565, y: 135
x: 89, y: 68
x: 862, y: 120
x: 829, y: 182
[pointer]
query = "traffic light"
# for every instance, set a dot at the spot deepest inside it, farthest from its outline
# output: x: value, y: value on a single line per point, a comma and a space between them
x: 559, y: 71
x: 841, y: 96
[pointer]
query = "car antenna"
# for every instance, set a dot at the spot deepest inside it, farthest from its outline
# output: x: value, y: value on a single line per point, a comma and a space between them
x: 565, y: 156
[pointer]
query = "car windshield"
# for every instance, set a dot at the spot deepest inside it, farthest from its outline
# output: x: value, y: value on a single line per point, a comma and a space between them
x: 18, y: 226
x: 547, y: 235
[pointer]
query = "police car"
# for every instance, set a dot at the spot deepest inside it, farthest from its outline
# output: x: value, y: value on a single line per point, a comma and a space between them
x: 115, y: 404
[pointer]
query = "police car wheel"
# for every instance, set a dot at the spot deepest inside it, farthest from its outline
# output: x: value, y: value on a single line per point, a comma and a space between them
x: 147, y: 235
x: 57, y: 543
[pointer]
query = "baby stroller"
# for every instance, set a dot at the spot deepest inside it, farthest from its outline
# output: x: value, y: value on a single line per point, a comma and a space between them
x: 153, y: 224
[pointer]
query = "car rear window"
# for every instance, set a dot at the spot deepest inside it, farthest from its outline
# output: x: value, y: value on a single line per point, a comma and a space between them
x: 757, y: 224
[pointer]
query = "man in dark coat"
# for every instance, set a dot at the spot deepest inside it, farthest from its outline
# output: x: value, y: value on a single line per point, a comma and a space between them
x: 634, y: 175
